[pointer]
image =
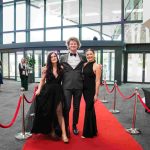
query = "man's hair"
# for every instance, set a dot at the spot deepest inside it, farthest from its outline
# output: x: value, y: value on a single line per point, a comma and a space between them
x: 73, y: 39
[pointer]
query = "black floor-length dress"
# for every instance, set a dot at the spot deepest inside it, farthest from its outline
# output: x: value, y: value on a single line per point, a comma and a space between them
x: 90, y: 127
x: 49, y: 106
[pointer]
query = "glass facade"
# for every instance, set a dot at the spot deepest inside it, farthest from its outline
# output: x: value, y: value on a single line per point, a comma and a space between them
x: 30, y: 21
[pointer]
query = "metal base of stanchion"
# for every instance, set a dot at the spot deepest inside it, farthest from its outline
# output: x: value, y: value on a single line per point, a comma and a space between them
x: 104, y: 101
x: 21, y: 136
x: 114, y: 111
x: 133, y: 131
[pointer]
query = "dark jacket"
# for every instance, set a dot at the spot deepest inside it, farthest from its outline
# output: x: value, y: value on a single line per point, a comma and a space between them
x: 72, y: 78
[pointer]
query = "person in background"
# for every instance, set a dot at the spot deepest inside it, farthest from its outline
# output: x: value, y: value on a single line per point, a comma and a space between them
x: 72, y: 81
x: 50, y: 100
x: 91, y: 83
x: 1, y: 77
x: 23, y: 71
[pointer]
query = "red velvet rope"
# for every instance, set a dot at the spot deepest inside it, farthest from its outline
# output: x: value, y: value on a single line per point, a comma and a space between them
x: 33, y: 97
x: 121, y: 94
x: 15, y: 115
x: 107, y: 89
x: 144, y: 105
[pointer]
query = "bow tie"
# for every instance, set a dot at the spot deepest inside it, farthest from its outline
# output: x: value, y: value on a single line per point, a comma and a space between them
x: 71, y: 54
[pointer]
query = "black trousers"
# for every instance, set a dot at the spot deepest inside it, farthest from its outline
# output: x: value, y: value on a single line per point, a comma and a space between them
x: 70, y: 94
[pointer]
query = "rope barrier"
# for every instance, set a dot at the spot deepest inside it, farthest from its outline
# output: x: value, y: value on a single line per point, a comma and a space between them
x: 33, y: 97
x: 122, y: 95
x: 15, y: 115
x: 144, y: 105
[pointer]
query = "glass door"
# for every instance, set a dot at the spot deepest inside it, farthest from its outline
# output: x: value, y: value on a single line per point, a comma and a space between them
x: 147, y: 68
x: 12, y: 65
x: 19, y: 56
x: 108, y: 65
x: 38, y: 64
x: 135, y: 67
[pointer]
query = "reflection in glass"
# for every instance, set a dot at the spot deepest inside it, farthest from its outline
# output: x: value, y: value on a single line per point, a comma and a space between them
x: 37, y: 9
x: 111, y: 32
x: 70, y: 12
x: 20, y: 15
x: 19, y: 56
x: 69, y: 32
x: 91, y: 32
x: 7, y: 1
x: 53, y: 35
x: 8, y: 38
x: 98, y: 56
x: 135, y: 67
x: 12, y: 65
x: 8, y: 17
x: 36, y: 36
x: 108, y: 65
x: 5, y: 65
x: 53, y: 13
x: 133, y: 9
x: 20, y: 37
x: 111, y: 10
x: 91, y: 11
x: 38, y: 65
x: 147, y: 68
x: 136, y: 33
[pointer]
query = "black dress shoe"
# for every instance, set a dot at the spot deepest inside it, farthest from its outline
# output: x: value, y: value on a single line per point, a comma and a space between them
x: 75, y: 131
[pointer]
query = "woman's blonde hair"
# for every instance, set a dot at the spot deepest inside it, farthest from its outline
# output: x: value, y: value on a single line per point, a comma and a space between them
x: 73, y: 39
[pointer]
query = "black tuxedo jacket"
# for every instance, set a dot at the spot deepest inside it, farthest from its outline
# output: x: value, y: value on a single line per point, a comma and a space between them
x: 72, y: 78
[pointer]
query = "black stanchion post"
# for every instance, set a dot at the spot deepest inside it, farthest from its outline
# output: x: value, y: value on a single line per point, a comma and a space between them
x: 134, y: 130
x: 104, y: 100
x: 23, y: 135
x: 114, y: 110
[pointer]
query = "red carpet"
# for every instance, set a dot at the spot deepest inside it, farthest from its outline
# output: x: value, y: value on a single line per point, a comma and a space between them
x: 112, y: 135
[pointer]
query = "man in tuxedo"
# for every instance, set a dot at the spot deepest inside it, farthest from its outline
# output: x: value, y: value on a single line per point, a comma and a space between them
x: 72, y: 81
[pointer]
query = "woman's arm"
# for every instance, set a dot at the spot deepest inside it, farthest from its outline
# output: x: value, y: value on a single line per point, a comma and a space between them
x: 97, y: 70
x: 42, y: 81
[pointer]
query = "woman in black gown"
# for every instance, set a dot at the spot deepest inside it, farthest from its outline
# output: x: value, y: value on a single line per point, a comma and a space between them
x: 49, y: 100
x: 92, y: 75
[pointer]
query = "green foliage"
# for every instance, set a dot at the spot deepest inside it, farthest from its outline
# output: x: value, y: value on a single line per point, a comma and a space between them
x: 30, y: 61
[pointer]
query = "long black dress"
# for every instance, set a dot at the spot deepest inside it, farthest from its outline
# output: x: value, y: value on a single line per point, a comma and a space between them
x: 90, y: 127
x: 49, y: 106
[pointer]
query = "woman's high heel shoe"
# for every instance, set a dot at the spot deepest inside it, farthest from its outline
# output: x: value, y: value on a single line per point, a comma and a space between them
x: 65, y: 139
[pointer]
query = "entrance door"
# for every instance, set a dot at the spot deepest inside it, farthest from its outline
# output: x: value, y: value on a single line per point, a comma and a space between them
x: 108, y: 65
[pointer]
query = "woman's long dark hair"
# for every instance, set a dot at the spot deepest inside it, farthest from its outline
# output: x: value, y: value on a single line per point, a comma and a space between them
x: 49, y: 64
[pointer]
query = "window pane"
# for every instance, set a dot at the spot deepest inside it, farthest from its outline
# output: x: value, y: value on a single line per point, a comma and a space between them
x: 136, y: 33
x: 7, y: 1
x: 91, y: 11
x: 8, y: 38
x: 53, y: 35
x: 12, y: 65
x: 69, y: 32
x: 147, y: 68
x: 111, y: 32
x: 36, y: 36
x: 20, y: 15
x: 20, y: 37
x: 8, y: 17
x: 37, y: 14
x: 111, y: 10
x: 91, y: 33
x: 70, y: 12
x: 135, y: 61
x: 133, y: 9
x: 53, y: 13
